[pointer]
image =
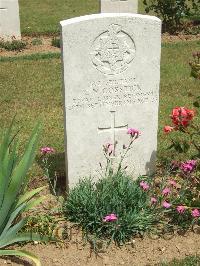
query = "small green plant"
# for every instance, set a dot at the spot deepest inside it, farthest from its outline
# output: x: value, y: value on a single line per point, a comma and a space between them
x: 36, y: 41
x: 14, y: 45
x: 177, y: 196
x: 44, y: 225
x: 115, y: 207
x: 14, y: 199
x: 195, y: 66
x: 45, y: 152
x: 55, y: 42
x: 188, y: 261
x: 171, y: 11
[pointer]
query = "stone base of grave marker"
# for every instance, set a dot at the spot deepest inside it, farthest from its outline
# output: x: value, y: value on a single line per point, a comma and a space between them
x: 119, y: 6
x: 9, y: 20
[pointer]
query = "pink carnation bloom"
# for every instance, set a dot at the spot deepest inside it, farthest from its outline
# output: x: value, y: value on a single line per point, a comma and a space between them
x: 109, y: 148
x: 46, y: 150
x: 166, y: 205
x: 153, y: 200
x: 173, y: 183
x: 195, y: 213
x: 166, y: 191
x: 144, y: 185
x: 180, y: 209
x: 110, y: 218
x: 133, y: 132
x: 189, y: 166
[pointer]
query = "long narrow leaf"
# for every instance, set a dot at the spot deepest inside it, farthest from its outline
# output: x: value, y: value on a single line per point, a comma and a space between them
x: 12, y: 217
x: 21, y: 253
x: 30, y: 194
x: 12, y: 232
x: 7, y: 166
x: 33, y: 203
x: 6, y: 141
x: 24, y: 237
x: 19, y: 174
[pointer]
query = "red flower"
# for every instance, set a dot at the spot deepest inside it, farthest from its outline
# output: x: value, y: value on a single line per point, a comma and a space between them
x: 182, y: 116
x: 168, y: 129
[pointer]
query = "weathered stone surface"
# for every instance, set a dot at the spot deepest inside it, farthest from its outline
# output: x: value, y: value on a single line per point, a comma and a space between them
x: 111, y: 73
x: 119, y: 6
x: 9, y: 20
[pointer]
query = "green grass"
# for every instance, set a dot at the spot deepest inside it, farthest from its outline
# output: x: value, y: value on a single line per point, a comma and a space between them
x: 188, y: 261
x: 43, y: 16
x: 36, y: 56
x: 30, y: 87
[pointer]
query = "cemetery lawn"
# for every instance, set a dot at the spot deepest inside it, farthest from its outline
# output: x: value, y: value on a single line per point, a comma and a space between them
x: 44, y: 16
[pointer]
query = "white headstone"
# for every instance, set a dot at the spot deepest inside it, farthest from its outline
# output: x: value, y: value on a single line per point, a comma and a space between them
x: 9, y: 20
x: 119, y: 6
x: 111, y: 72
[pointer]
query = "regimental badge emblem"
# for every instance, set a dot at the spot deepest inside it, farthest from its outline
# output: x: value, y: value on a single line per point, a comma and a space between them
x: 113, y: 51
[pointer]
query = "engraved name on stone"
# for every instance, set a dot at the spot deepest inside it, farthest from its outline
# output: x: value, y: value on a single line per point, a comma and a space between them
x: 114, y: 92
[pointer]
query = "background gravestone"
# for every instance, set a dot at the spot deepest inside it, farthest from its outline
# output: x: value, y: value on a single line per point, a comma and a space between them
x: 111, y: 71
x: 9, y: 20
x: 119, y: 6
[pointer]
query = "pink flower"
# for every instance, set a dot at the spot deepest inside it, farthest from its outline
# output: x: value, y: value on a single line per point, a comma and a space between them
x: 189, y: 166
x: 166, y: 191
x: 168, y: 129
x: 153, y: 200
x: 46, y: 150
x: 166, y: 205
x: 144, y: 185
x: 133, y: 132
x: 173, y: 183
x: 110, y: 218
x: 195, y: 213
x: 109, y: 148
x: 180, y: 209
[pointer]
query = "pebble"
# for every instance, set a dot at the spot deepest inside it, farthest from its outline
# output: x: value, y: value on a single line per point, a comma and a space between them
x: 178, y: 248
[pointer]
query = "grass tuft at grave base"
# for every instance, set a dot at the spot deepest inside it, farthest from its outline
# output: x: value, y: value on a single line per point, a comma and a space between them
x: 114, y: 208
x: 188, y: 261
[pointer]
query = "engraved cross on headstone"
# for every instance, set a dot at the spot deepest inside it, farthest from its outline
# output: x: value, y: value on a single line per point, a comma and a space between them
x: 112, y: 129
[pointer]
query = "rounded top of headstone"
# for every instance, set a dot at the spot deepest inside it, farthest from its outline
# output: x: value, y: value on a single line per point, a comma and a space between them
x: 108, y: 15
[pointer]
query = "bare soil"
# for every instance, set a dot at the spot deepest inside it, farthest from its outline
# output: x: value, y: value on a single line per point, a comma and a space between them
x: 47, y: 47
x: 141, y: 252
